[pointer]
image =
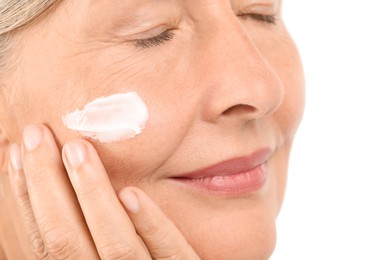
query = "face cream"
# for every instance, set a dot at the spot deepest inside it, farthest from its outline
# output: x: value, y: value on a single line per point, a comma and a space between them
x: 110, y: 119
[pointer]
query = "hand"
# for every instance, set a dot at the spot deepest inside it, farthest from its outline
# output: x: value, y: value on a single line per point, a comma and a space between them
x: 73, y: 211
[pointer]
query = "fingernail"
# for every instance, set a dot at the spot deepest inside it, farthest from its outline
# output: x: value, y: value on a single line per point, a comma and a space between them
x: 130, y: 201
x: 75, y: 153
x: 32, y: 137
x: 16, y: 157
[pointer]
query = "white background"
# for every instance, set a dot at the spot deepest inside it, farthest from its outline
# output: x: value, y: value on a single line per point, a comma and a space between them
x: 337, y: 203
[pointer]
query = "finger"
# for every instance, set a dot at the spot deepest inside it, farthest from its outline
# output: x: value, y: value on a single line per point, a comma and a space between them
x: 160, y: 235
x: 19, y: 189
x: 110, y: 226
x: 57, y: 213
x: 10, y: 235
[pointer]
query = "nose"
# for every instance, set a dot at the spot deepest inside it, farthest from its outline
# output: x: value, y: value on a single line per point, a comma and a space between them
x: 239, y: 83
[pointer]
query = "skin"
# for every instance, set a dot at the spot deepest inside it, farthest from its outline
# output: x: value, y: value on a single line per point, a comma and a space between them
x: 223, y: 87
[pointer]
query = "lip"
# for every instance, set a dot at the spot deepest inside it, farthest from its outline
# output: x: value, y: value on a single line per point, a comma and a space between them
x: 237, y: 176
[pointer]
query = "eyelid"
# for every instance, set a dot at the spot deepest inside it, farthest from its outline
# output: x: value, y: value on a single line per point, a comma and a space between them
x: 270, y: 19
x: 266, y: 13
x: 151, y: 33
x: 258, y: 8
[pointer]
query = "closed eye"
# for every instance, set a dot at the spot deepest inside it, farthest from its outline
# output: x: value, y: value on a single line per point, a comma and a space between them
x: 271, y: 19
x: 158, y: 40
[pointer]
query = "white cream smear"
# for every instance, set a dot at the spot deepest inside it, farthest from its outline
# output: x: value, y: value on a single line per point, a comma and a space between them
x: 110, y: 119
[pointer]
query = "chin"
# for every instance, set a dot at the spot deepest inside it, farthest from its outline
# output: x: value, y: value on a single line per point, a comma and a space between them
x: 241, y: 246
x: 240, y: 237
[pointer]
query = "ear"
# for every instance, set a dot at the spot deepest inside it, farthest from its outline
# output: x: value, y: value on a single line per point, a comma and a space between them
x: 4, y: 138
x: 4, y: 144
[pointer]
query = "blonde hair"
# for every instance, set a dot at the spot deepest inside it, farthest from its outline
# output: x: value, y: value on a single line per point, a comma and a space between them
x: 14, y: 14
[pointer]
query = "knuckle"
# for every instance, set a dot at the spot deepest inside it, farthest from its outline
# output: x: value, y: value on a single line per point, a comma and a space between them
x: 170, y: 253
x: 36, y: 172
x: 38, y: 248
x: 177, y: 253
x: 90, y: 190
x: 19, y: 188
x: 163, y: 243
x: 117, y: 252
x: 154, y: 229
x: 60, y: 242
x: 37, y: 244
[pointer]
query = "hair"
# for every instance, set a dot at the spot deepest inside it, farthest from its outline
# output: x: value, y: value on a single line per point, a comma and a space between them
x: 14, y: 15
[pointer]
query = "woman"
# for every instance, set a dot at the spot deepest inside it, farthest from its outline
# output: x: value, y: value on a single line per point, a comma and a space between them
x: 202, y: 174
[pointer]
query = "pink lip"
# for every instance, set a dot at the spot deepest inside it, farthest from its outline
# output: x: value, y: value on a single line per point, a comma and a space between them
x: 236, y: 176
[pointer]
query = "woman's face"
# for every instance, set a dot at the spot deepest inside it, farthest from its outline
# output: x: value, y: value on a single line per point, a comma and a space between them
x: 222, y: 80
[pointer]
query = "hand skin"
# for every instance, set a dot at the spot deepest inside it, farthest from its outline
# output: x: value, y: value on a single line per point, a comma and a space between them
x: 71, y: 211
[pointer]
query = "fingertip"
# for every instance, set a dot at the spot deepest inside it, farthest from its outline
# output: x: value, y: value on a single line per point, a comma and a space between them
x: 15, y: 155
x: 32, y: 137
x: 38, y: 136
x: 130, y: 199
x: 17, y: 181
x: 75, y: 153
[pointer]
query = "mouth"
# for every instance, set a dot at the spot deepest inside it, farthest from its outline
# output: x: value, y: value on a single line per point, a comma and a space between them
x: 234, y: 177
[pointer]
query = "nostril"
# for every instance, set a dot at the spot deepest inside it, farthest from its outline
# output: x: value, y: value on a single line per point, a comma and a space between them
x: 239, y: 109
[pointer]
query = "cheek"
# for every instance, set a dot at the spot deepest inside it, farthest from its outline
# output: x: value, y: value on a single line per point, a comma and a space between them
x: 290, y: 113
x: 135, y: 161
x: 40, y: 105
x: 172, y: 112
x: 278, y: 166
x: 171, y: 109
x: 289, y: 68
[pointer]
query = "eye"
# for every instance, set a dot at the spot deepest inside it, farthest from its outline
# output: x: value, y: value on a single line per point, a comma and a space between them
x: 271, y: 19
x: 158, y: 40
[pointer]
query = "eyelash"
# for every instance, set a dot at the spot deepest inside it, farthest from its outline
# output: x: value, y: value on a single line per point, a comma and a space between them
x: 158, y: 40
x: 168, y: 35
x: 271, y: 19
